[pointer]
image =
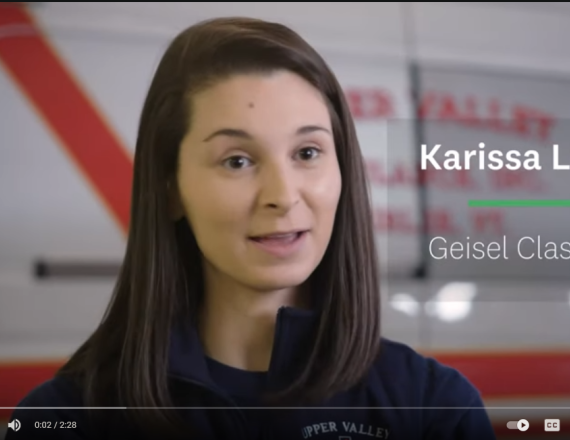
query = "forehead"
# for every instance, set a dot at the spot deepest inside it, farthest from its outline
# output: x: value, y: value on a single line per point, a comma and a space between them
x: 265, y: 100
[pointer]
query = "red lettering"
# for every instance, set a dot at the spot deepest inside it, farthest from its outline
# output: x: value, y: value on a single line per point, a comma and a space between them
x: 439, y: 221
x: 389, y: 220
x: 463, y: 180
x: 354, y: 99
x: 425, y: 177
x: 469, y: 111
x: 471, y: 116
x: 495, y: 121
x: 506, y: 180
x: 370, y: 103
x: 452, y: 179
x: 447, y: 179
x: 448, y: 110
x: 539, y: 123
x: 399, y: 174
x: 545, y: 123
x: 521, y: 120
x: 380, y: 104
x: 485, y: 221
x: 402, y: 175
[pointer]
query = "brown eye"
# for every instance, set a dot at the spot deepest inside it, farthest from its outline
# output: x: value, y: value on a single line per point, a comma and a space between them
x: 236, y: 162
x: 308, y: 153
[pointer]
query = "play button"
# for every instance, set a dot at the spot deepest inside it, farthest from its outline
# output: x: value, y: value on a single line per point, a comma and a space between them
x: 523, y: 425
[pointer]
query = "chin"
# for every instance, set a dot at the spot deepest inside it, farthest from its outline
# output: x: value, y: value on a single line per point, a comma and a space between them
x: 276, y: 279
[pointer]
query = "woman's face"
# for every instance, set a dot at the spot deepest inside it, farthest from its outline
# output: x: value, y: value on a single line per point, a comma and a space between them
x: 259, y: 180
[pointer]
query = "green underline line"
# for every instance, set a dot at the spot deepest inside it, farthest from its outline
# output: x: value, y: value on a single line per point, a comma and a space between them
x: 518, y: 203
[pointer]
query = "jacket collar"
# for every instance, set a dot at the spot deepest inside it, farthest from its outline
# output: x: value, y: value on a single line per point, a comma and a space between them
x: 294, y: 332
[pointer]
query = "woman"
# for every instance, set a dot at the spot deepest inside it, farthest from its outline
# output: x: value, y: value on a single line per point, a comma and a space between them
x: 250, y: 277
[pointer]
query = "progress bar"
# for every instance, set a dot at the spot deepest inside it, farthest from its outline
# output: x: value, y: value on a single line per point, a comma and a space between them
x: 546, y: 408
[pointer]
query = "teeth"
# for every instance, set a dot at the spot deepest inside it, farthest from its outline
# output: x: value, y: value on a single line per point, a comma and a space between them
x: 279, y: 237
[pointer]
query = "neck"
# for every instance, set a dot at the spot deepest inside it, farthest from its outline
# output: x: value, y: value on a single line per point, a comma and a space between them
x: 237, y: 323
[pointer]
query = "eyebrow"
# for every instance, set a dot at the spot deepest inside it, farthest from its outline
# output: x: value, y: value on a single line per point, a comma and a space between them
x: 242, y: 134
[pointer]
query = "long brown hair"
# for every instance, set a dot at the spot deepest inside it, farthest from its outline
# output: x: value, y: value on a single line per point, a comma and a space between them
x: 125, y: 361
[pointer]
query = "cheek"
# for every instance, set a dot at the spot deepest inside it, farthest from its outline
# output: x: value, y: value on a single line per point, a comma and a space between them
x: 213, y: 205
x: 324, y: 195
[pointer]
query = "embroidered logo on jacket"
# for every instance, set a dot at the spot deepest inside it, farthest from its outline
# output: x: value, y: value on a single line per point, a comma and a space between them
x: 344, y: 428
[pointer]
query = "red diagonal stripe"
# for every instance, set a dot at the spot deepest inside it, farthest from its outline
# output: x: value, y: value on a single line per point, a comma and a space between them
x: 71, y: 116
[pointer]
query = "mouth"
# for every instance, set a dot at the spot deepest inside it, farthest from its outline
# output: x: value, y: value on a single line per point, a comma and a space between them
x: 279, y: 237
x: 281, y: 244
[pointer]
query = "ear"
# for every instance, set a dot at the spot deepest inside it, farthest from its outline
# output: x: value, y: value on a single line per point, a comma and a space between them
x: 175, y: 209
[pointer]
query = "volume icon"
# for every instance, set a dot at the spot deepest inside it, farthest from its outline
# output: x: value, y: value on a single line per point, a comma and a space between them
x: 15, y: 425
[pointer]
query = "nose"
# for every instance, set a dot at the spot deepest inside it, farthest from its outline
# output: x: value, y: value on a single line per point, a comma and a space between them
x: 279, y: 188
